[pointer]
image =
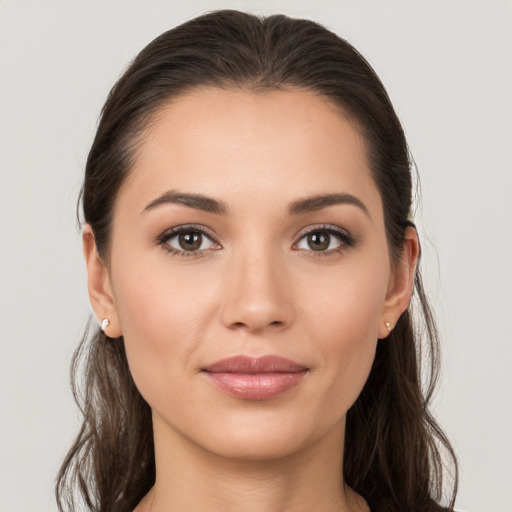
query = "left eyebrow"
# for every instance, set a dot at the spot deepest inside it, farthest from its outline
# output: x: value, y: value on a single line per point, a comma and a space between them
x: 315, y: 203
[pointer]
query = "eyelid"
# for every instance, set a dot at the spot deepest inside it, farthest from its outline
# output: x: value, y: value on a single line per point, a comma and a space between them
x: 346, y: 239
x: 164, y: 237
x: 344, y: 236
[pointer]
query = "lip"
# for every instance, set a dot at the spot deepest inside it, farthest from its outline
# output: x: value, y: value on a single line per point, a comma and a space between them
x: 255, y: 378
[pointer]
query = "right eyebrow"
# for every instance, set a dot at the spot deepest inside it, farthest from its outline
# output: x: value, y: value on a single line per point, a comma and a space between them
x: 197, y: 201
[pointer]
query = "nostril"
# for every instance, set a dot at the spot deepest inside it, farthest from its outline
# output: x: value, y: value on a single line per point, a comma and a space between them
x: 243, y: 325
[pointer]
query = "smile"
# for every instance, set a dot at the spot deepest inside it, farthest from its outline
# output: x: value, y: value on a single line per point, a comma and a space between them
x: 250, y: 378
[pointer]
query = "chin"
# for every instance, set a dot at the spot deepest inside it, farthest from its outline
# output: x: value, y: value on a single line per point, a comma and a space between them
x: 259, y: 449
x: 262, y: 438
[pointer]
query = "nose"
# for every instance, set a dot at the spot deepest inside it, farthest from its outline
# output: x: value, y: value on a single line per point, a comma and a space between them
x: 257, y: 293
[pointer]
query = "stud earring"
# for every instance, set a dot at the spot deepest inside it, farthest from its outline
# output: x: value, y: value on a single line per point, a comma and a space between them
x: 104, y: 324
x: 388, y: 326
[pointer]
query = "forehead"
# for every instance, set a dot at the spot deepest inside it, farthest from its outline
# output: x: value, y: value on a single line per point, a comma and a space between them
x: 276, y: 145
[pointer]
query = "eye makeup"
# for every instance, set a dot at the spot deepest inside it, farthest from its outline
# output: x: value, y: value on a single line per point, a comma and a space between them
x: 195, y: 241
x: 192, y: 240
x: 318, y: 240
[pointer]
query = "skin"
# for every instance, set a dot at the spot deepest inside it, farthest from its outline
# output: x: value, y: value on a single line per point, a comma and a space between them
x: 258, y: 288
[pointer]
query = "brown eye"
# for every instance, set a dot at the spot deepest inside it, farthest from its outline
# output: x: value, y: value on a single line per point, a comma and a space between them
x: 190, y: 241
x: 187, y: 241
x: 318, y: 241
x: 325, y: 240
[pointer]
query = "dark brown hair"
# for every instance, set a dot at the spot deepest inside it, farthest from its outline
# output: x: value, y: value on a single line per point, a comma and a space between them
x: 395, y: 452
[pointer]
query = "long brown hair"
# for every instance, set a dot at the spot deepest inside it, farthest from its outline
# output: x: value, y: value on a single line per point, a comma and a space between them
x: 395, y: 453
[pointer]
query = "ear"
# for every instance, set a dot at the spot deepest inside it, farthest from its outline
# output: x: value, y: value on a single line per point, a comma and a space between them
x: 98, y: 283
x: 401, y: 283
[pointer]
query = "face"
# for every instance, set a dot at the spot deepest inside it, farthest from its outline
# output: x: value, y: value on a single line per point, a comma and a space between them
x: 249, y: 271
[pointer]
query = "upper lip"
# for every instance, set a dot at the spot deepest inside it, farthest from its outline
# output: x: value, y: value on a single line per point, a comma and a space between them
x: 247, y: 364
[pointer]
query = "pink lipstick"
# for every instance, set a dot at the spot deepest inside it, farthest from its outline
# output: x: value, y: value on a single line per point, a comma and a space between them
x: 251, y: 378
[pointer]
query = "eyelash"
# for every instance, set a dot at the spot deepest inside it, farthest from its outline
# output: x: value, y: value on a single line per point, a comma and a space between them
x: 164, y: 238
x: 344, y: 237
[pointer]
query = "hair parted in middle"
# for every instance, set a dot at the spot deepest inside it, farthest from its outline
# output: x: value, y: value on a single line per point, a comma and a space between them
x: 392, y: 444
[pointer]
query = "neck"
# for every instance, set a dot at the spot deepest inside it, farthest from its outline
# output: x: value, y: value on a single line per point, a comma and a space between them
x: 190, y: 478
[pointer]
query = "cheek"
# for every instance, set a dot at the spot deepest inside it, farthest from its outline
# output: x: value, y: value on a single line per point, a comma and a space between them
x: 348, y: 303
x: 344, y: 319
x: 163, y: 314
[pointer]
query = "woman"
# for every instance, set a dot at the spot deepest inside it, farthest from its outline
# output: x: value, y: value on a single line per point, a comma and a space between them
x: 251, y: 261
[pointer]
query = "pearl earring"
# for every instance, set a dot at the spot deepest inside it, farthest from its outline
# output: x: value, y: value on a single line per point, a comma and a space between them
x: 104, y: 324
x: 388, y: 326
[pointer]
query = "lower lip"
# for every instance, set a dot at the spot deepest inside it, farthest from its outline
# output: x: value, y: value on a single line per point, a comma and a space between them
x: 256, y: 386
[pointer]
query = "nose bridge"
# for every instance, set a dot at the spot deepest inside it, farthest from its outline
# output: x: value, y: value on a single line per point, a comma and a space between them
x: 256, y: 293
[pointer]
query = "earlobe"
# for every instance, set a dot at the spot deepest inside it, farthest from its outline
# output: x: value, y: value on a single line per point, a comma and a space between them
x: 401, y: 283
x: 98, y: 282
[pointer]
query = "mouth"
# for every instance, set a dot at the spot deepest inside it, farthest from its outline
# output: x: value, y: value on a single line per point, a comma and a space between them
x: 250, y: 378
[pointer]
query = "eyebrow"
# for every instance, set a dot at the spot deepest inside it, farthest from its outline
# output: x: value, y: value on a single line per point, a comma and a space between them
x: 197, y: 201
x: 210, y: 205
x: 315, y: 203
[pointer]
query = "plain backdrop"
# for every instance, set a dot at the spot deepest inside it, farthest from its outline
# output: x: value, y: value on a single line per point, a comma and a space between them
x: 447, y: 66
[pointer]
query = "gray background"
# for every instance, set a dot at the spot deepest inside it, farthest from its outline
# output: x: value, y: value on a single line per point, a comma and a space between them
x: 448, y: 69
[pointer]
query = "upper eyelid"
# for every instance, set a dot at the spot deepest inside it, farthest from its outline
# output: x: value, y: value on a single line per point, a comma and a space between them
x: 164, y: 239
x: 345, y: 238
x: 322, y: 227
x: 332, y: 228
x: 168, y: 233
